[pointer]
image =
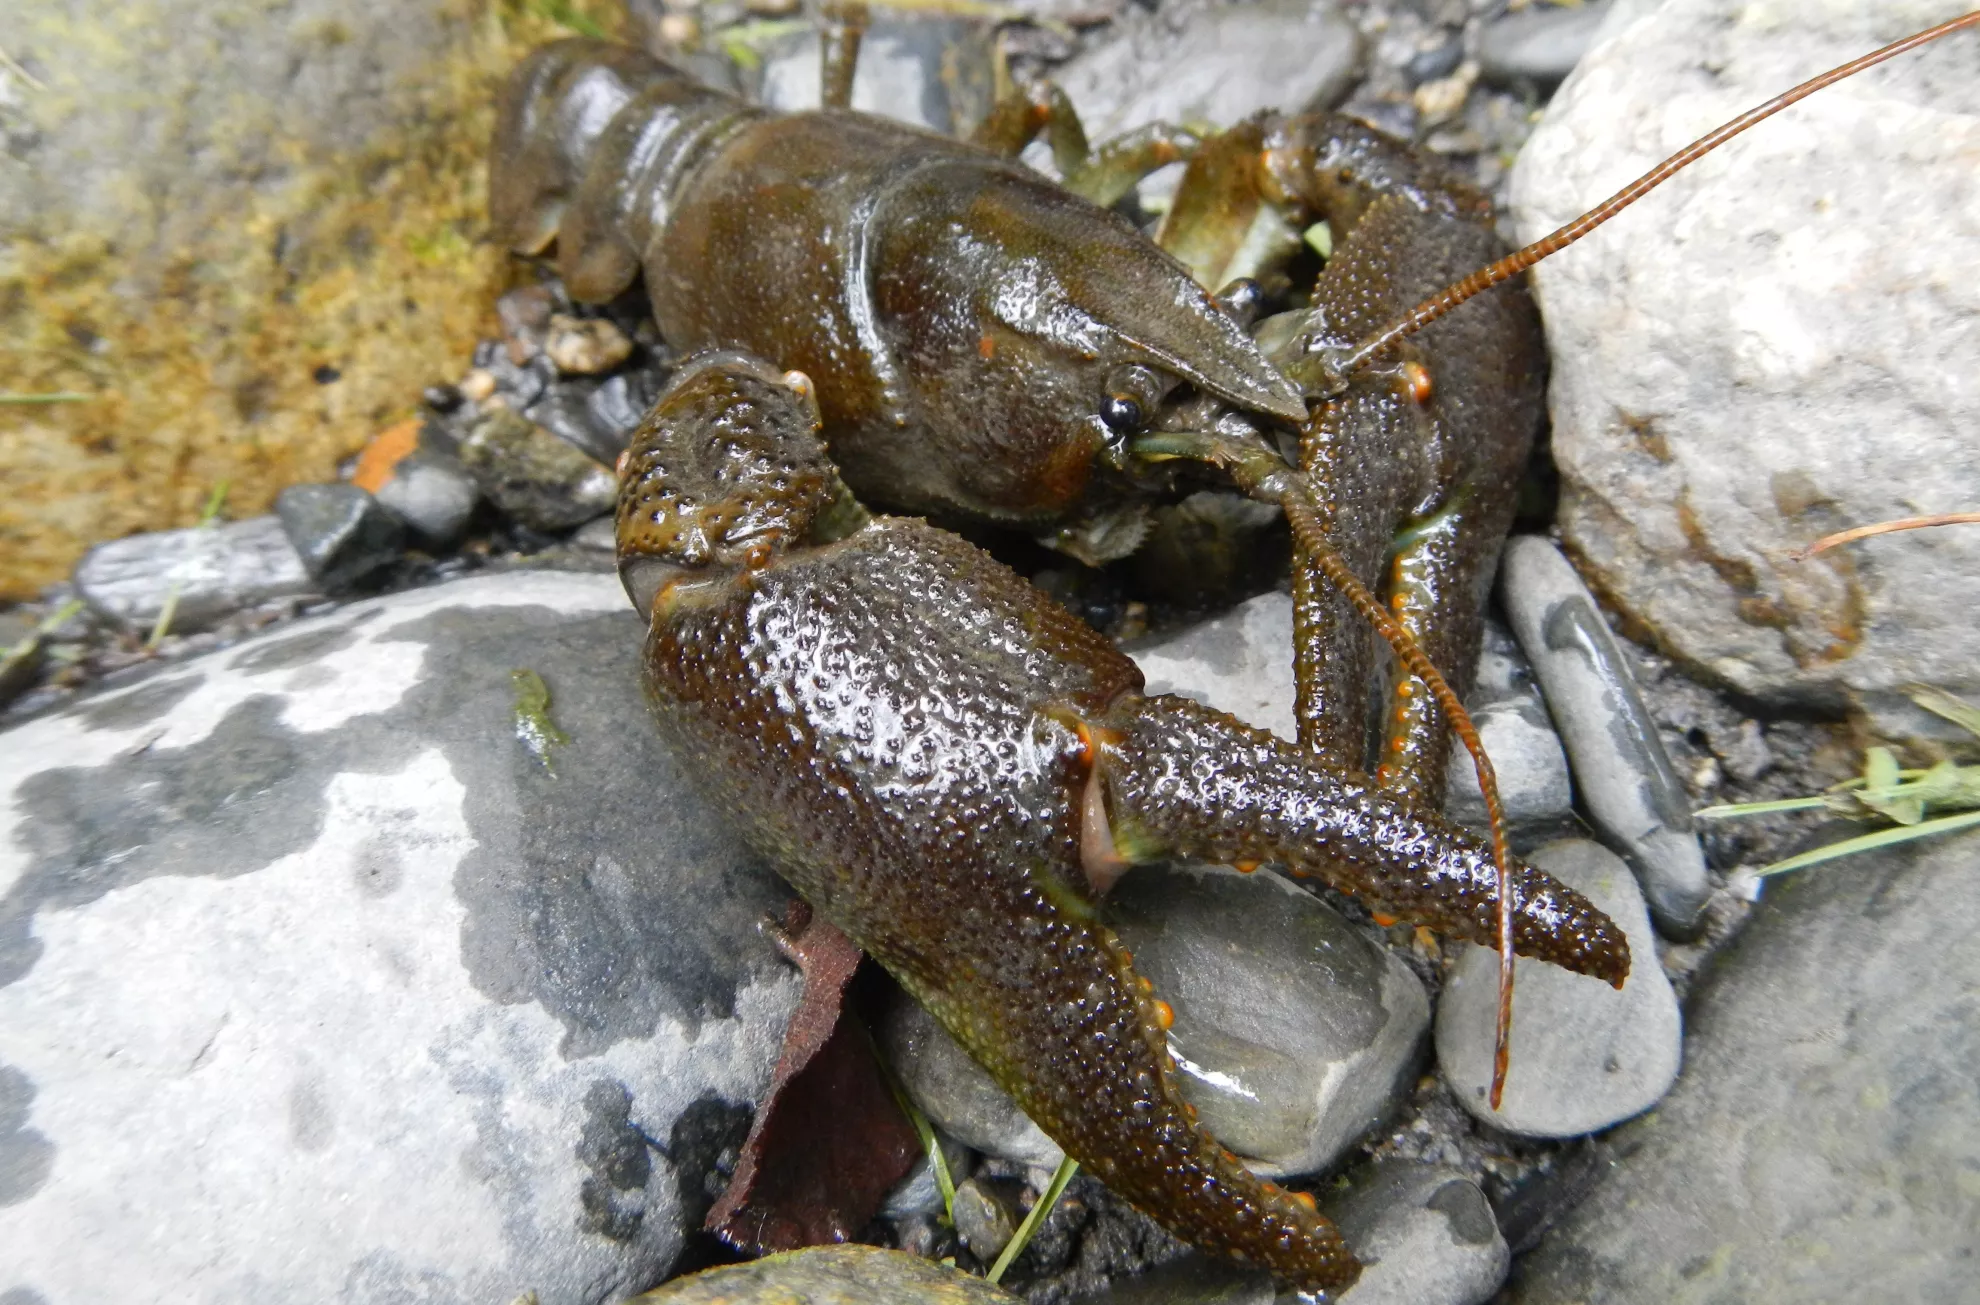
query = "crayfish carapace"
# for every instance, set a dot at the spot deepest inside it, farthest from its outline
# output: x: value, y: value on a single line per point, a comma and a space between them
x: 952, y: 767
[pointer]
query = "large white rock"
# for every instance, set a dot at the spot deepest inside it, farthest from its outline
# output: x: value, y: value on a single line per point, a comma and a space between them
x: 1782, y: 342
x: 316, y: 985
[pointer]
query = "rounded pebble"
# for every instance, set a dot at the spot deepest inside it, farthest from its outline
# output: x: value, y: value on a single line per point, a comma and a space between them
x: 1621, y: 771
x: 1584, y: 1055
x: 1425, y: 1235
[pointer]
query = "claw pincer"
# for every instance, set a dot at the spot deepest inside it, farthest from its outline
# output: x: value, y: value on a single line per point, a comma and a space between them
x: 915, y: 737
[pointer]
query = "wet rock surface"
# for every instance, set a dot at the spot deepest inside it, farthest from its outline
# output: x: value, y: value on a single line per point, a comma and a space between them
x: 1294, y: 1035
x: 1622, y: 773
x: 341, y: 532
x: 1584, y: 1055
x: 205, y: 572
x: 1724, y: 375
x: 309, y: 907
x: 956, y: 1093
x: 1236, y: 662
x: 831, y: 1275
x: 1828, y: 1102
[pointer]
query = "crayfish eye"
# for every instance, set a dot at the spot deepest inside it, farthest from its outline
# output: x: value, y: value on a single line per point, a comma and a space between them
x: 1122, y: 414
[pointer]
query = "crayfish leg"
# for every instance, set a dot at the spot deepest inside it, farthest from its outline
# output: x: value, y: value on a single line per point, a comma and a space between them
x: 1102, y: 175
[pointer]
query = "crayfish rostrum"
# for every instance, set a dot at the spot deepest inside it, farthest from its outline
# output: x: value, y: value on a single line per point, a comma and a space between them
x: 951, y: 767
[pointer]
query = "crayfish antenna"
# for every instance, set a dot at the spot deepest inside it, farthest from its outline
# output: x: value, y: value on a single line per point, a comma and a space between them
x: 1312, y: 537
x: 1520, y: 259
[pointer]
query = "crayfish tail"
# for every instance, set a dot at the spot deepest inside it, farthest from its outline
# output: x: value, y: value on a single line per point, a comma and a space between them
x: 1210, y: 786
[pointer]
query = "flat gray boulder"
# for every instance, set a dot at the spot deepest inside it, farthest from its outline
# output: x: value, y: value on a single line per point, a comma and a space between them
x: 319, y: 985
x: 1822, y: 1144
x: 1777, y: 345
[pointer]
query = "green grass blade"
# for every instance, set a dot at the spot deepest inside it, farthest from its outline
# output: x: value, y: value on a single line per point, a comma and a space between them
x: 59, y: 396
x: 1063, y: 1175
x: 1953, y: 708
x: 1738, y: 809
x: 163, y: 626
x: 1868, y: 842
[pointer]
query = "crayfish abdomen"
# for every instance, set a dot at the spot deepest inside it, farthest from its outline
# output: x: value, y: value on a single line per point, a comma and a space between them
x: 953, y: 768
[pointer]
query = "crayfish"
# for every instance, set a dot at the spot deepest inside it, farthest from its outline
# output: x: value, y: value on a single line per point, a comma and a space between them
x: 950, y: 766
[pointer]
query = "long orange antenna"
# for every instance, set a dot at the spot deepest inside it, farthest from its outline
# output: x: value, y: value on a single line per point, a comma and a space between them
x: 1312, y: 536
x: 1519, y: 260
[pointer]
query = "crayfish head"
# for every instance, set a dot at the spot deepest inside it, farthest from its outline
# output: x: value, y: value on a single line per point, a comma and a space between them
x: 724, y: 473
x: 1032, y: 336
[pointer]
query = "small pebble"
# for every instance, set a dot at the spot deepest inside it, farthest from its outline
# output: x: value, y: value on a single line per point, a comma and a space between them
x: 433, y: 493
x: 956, y: 1093
x: 1442, y: 100
x: 206, y: 572
x: 1527, y: 761
x: 600, y: 536
x: 342, y: 533
x: 1539, y: 45
x: 622, y: 399
x: 525, y: 314
x: 1621, y: 771
x: 985, y: 1219
x: 566, y: 413
x: 477, y: 385
x: 585, y: 346
x: 1584, y: 1055
x: 442, y: 398
x: 919, y: 1193
x: 533, y: 476
x: 1425, y: 1235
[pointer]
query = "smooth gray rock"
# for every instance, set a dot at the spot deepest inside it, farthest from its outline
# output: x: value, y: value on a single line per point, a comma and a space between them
x: 930, y: 71
x: 1240, y: 662
x: 1527, y: 762
x: 1739, y: 368
x: 1621, y: 771
x: 214, y: 571
x: 1425, y: 1235
x: 985, y: 1219
x: 565, y: 411
x: 1823, y: 1143
x: 1539, y: 45
x: 956, y: 1093
x: 433, y: 493
x: 304, y: 955
x: 919, y: 1193
x: 1294, y: 1034
x: 1584, y: 1055
x: 340, y: 531
x: 535, y: 477
x: 1213, y: 64
x: 621, y: 400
